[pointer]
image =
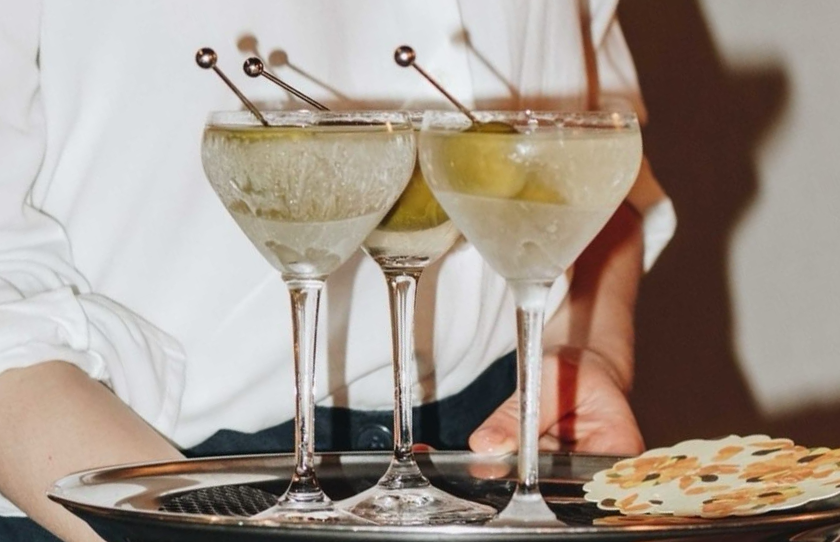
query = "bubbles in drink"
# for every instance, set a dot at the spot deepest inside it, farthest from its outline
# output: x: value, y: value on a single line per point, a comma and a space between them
x: 307, y: 197
x: 531, y: 202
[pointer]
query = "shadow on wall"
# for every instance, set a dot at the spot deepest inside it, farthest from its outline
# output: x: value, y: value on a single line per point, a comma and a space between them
x: 706, y: 124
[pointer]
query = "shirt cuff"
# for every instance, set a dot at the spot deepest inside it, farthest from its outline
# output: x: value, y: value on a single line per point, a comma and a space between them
x: 659, y: 221
x: 141, y: 364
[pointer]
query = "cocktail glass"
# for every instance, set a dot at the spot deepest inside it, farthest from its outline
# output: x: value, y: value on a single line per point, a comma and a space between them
x: 307, y: 190
x: 414, y: 233
x: 530, y: 200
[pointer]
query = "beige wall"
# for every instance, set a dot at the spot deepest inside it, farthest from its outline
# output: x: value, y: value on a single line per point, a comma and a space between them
x: 739, y: 323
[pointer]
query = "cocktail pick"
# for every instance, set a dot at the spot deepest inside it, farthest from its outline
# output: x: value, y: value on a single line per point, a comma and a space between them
x: 206, y: 58
x: 254, y: 68
x: 405, y: 57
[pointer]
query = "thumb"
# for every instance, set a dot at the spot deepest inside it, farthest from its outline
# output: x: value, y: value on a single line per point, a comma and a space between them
x: 499, y: 433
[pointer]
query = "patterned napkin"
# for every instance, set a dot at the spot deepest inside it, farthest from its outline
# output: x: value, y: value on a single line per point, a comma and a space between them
x: 733, y: 476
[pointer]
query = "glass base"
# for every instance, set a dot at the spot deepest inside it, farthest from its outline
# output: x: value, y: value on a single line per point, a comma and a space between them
x: 527, y: 508
x: 313, y: 509
x: 415, y: 506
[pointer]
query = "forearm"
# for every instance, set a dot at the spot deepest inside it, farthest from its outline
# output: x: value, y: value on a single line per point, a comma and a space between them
x: 598, y: 313
x: 56, y: 420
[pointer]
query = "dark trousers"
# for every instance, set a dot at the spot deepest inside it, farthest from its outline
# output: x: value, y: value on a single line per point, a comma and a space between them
x: 444, y: 425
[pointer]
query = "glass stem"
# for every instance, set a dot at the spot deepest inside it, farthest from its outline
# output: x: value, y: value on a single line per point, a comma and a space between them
x: 402, y: 294
x: 530, y: 299
x: 305, y: 296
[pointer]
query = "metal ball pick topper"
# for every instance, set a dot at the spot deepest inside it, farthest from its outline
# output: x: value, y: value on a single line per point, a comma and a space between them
x: 254, y: 68
x: 405, y: 57
x: 206, y: 58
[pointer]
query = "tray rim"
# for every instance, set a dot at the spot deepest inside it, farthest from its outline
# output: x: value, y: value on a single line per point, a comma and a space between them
x: 791, y: 519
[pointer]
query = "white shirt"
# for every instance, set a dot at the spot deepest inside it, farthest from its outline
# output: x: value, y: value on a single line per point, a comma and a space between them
x: 116, y: 255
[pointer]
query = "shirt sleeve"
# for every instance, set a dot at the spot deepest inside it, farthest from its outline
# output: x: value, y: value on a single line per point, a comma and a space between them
x: 47, y: 309
x: 619, y: 87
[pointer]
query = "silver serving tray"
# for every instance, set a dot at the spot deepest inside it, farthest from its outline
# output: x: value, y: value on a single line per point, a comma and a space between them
x: 210, y: 500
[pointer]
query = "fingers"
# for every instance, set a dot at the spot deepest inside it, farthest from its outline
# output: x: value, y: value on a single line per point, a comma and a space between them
x: 600, y: 419
x: 619, y: 442
x: 604, y: 425
x: 582, y: 408
x: 499, y: 432
x: 550, y: 443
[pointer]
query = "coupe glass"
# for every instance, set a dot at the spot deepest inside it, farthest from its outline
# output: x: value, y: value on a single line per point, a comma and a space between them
x: 414, y: 233
x: 530, y: 190
x: 307, y: 190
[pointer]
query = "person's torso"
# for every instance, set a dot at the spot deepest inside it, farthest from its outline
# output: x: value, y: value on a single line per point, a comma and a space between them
x: 125, y: 106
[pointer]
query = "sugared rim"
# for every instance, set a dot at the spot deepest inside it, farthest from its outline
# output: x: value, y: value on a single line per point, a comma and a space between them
x: 456, y: 120
x: 304, y: 118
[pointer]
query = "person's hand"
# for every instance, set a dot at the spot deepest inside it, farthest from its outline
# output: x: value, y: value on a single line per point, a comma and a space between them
x: 583, y: 407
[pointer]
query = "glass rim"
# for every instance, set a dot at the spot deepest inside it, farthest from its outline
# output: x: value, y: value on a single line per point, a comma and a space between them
x: 595, y: 119
x: 302, y: 118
